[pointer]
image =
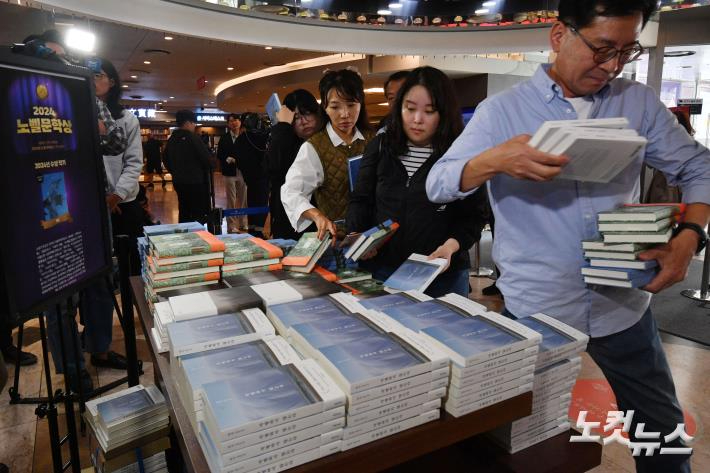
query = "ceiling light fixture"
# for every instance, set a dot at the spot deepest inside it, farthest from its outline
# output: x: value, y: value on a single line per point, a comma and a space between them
x: 395, y: 5
x: 172, y: 97
x: 268, y: 47
x: 375, y: 90
x: 134, y: 77
x: 481, y: 11
x: 384, y: 12
x: 167, y: 38
x: 146, y: 62
x: 124, y: 86
x: 230, y: 68
x: 80, y: 40
x: 488, y: 4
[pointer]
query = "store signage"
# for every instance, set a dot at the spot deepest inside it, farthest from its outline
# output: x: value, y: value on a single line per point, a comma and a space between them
x: 143, y: 112
x: 695, y: 105
x: 210, y: 117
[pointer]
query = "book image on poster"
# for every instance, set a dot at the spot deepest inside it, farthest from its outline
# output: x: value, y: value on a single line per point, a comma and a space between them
x: 54, y: 199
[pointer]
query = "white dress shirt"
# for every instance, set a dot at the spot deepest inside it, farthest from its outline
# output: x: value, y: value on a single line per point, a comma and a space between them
x: 305, y: 176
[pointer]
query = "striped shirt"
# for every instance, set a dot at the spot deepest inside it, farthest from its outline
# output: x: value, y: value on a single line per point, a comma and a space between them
x: 415, y: 157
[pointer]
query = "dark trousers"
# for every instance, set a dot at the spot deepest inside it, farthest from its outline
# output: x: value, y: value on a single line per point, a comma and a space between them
x: 635, y: 365
x: 193, y: 202
x: 5, y: 332
x: 129, y: 222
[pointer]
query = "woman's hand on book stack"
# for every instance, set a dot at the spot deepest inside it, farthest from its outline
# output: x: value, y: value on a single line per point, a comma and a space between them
x: 445, y: 251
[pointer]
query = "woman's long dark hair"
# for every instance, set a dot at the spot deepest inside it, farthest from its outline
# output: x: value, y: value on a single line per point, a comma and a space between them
x: 443, y: 99
x: 349, y: 86
x: 114, y: 93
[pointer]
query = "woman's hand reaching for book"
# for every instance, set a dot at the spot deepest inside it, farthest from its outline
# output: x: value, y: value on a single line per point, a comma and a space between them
x: 323, y: 223
x: 445, y: 251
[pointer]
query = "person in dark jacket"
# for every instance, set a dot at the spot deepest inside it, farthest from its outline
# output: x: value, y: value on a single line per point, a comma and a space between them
x: 188, y: 160
x: 234, y: 184
x: 391, y: 185
x: 299, y: 119
x: 250, y: 148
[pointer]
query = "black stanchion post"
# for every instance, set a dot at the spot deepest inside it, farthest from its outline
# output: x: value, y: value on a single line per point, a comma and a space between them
x: 127, y: 321
x: 68, y: 402
x: 50, y: 409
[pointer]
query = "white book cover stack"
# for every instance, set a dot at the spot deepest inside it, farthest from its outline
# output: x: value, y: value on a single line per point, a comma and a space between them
x: 162, y: 317
x: 392, y: 382
x: 599, y: 149
x: 127, y: 416
x: 492, y: 357
x: 556, y: 369
x: 270, y: 419
x: 625, y: 233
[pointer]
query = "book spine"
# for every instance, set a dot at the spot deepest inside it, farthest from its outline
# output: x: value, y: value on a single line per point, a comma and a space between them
x: 433, y: 380
x: 390, y: 430
x: 298, y: 460
x: 521, y: 367
x: 354, y: 431
x: 474, y: 384
x: 530, y: 354
x: 473, y: 394
x: 179, y: 281
x: 184, y: 266
x: 389, y: 409
x: 417, y: 395
x: 458, y: 411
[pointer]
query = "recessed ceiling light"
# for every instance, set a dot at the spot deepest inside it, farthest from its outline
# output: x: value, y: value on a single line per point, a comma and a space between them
x: 383, y: 104
x: 375, y: 90
x: 160, y: 103
x: 134, y: 77
x: 212, y: 102
x: 172, y: 97
x: 80, y: 40
x: 146, y: 62
x: 384, y: 12
x: 124, y: 86
x: 481, y: 11
x: 395, y: 5
x: 206, y: 81
x: 168, y: 38
x: 230, y: 68
x: 488, y: 4
x: 268, y: 47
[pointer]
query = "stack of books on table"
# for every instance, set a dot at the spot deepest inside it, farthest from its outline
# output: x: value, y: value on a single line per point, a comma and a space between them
x: 598, y: 149
x: 625, y: 233
x: 295, y: 289
x: 492, y: 357
x: 179, y: 260
x: 365, y: 287
x: 391, y: 381
x: 249, y: 255
x: 194, y: 370
x: 271, y: 418
x: 285, y: 244
x: 129, y: 430
x: 371, y: 240
x: 155, y: 230
x: 558, y: 364
x: 304, y: 256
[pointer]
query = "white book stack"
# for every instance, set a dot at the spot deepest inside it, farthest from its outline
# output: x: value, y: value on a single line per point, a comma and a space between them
x: 599, y: 149
x: 626, y: 232
x: 194, y: 370
x: 391, y: 382
x: 126, y: 416
x: 271, y: 418
x: 162, y: 317
x: 556, y: 371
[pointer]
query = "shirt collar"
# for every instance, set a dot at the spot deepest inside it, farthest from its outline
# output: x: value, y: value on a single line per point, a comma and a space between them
x: 548, y: 88
x: 337, y: 140
x: 233, y: 135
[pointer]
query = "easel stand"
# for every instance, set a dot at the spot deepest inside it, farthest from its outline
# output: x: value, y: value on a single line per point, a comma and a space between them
x: 703, y: 294
x: 47, y: 406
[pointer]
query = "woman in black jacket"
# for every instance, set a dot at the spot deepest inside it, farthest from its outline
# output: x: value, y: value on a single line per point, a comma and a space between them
x: 426, y: 118
x: 299, y: 119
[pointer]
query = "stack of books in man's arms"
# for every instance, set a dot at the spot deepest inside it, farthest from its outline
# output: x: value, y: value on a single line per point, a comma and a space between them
x: 249, y: 255
x: 558, y: 364
x: 181, y: 260
x: 271, y: 418
x: 625, y: 233
x: 391, y: 382
x: 598, y: 149
x: 129, y: 430
x: 492, y: 357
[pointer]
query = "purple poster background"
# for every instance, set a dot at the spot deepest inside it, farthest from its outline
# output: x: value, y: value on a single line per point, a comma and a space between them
x: 73, y: 240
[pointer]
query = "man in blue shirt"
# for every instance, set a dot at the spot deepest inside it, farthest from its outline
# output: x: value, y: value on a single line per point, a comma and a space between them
x: 540, y: 221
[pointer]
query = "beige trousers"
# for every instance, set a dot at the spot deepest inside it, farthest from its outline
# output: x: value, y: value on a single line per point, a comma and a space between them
x: 236, y: 190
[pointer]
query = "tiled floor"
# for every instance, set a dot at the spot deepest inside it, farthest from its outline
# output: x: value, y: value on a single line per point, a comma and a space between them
x: 24, y: 441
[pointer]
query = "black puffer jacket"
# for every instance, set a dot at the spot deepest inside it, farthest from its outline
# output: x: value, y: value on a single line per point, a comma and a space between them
x: 383, y: 190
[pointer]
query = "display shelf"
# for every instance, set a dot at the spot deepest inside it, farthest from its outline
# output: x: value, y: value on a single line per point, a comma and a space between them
x: 424, y: 442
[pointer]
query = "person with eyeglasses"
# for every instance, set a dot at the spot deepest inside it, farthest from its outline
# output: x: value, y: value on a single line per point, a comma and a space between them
x: 540, y: 221
x: 299, y: 118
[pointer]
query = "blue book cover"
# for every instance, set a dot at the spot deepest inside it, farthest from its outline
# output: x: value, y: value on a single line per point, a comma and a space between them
x: 551, y: 338
x: 333, y: 331
x: 167, y: 228
x: 369, y: 357
x: 471, y: 336
x: 354, y: 170
x: 262, y: 394
x: 227, y: 363
x: 208, y: 329
x: 308, y: 310
x: 384, y: 303
x: 639, y: 277
x: 423, y: 314
x: 650, y: 264
x: 124, y: 406
x: 411, y: 275
x: 273, y: 105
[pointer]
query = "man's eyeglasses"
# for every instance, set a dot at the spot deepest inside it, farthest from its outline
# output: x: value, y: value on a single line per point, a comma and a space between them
x: 607, y: 53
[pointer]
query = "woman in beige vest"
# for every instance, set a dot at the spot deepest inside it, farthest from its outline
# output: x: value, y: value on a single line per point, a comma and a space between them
x: 320, y: 169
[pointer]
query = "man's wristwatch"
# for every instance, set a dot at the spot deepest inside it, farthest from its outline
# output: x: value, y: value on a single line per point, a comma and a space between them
x: 702, y: 235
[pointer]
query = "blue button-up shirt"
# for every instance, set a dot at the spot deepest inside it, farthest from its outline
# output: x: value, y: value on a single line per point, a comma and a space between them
x: 540, y: 225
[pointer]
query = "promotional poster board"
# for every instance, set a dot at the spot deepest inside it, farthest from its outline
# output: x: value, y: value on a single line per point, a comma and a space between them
x: 54, y: 237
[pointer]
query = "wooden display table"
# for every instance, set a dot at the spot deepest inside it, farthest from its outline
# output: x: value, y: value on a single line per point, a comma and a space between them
x: 440, y: 438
